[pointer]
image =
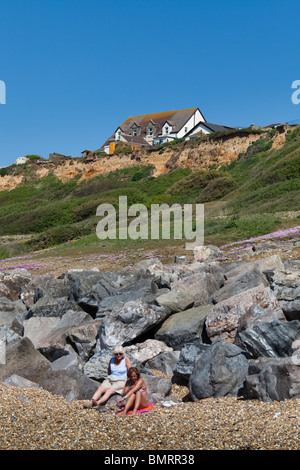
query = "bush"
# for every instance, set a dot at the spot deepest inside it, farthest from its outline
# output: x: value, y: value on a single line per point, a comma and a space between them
x: 285, y: 169
x: 217, y: 189
x: 3, y: 253
x: 121, y: 147
x: 197, y: 180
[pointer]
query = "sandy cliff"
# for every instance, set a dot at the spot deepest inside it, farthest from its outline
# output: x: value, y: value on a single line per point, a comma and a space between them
x: 195, y: 154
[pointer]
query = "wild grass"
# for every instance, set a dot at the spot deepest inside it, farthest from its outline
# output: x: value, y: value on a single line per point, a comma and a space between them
x: 251, y: 191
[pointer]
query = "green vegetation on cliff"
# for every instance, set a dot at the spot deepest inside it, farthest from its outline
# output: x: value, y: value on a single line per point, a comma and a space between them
x: 242, y: 199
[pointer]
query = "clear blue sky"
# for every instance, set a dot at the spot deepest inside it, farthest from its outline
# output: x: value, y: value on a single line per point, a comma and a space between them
x: 76, y: 69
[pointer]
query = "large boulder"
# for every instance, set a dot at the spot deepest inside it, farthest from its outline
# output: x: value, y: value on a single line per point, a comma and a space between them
x: 164, y: 362
x: 50, y: 287
x: 9, y: 310
x: 223, y: 319
x: 240, y: 283
x: 52, y: 307
x: 13, y: 281
x: 60, y: 342
x: 189, y: 355
x: 272, y: 379
x: 137, y: 287
x: 183, y: 327
x: 71, y: 383
x: 176, y: 300
x: 23, y: 358
x: 201, y: 285
x: 206, y: 252
x: 270, y: 339
x: 28, y: 291
x: 220, y: 371
x: 83, y: 338
x: 286, y: 286
x: 157, y: 387
x: 127, y: 322
x: 38, y: 328
x: 147, y: 350
x: 80, y: 281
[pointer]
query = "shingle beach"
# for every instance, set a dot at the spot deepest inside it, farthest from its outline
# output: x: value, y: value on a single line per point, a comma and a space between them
x: 34, y: 419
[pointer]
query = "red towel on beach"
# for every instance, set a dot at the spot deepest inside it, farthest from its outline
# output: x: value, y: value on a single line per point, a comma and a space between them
x: 143, y: 410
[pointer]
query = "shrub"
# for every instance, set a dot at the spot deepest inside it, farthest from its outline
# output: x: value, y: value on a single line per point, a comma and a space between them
x: 121, y: 147
x: 217, y: 189
x: 197, y: 180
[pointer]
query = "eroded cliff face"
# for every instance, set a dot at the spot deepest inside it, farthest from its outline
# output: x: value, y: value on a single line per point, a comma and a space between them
x: 195, y: 154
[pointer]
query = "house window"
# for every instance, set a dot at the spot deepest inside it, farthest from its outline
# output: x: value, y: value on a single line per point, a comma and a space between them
x: 185, y: 129
x: 166, y: 130
x: 150, y: 131
x: 134, y: 132
x: 119, y: 135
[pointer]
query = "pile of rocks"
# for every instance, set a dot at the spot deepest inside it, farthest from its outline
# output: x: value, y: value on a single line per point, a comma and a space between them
x: 219, y: 328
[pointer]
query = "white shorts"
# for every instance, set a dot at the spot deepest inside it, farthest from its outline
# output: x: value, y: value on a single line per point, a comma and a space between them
x: 115, y: 385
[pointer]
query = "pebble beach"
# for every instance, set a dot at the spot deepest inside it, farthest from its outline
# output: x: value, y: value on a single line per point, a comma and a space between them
x: 34, y: 419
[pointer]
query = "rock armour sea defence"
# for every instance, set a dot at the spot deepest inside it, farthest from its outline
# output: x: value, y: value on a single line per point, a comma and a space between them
x: 222, y: 329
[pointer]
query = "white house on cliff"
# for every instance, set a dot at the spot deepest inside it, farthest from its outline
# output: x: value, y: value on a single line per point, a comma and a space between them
x: 158, y: 128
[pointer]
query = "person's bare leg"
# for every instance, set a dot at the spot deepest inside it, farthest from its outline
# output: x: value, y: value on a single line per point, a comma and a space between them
x: 137, y: 403
x: 129, y: 404
x: 97, y: 395
x: 108, y: 393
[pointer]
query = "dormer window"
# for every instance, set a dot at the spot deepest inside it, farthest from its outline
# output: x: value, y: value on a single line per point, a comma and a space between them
x: 166, y: 128
x: 150, y: 131
x: 135, y: 129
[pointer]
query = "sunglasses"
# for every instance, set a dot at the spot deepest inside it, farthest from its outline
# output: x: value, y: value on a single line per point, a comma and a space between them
x: 118, y: 354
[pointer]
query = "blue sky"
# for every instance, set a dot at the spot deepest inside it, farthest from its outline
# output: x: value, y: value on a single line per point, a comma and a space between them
x: 76, y: 69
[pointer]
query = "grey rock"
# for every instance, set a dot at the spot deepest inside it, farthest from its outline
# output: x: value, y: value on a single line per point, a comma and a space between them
x: 183, y: 327
x: 71, y: 383
x: 67, y: 362
x: 189, y: 355
x: 59, y: 341
x: 271, y: 379
x: 127, y: 322
x: 240, y: 283
x: 157, y: 386
x: 164, y: 362
x: 51, y: 288
x: 270, y: 339
x: 220, y: 371
x: 48, y: 307
x: 21, y: 356
x: 19, y: 381
x: 176, y: 300
x: 13, y: 281
x: 9, y: 310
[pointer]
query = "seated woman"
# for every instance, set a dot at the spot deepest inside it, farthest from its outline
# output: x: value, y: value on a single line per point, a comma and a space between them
x: 134, y: 392
x: 117, y: 374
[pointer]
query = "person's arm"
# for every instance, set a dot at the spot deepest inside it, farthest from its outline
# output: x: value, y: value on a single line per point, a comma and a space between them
x: 134, y: 389
x: 126, y: 387
x: 109, y: 369
x: 125, y: 390
x: 128, y: 362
